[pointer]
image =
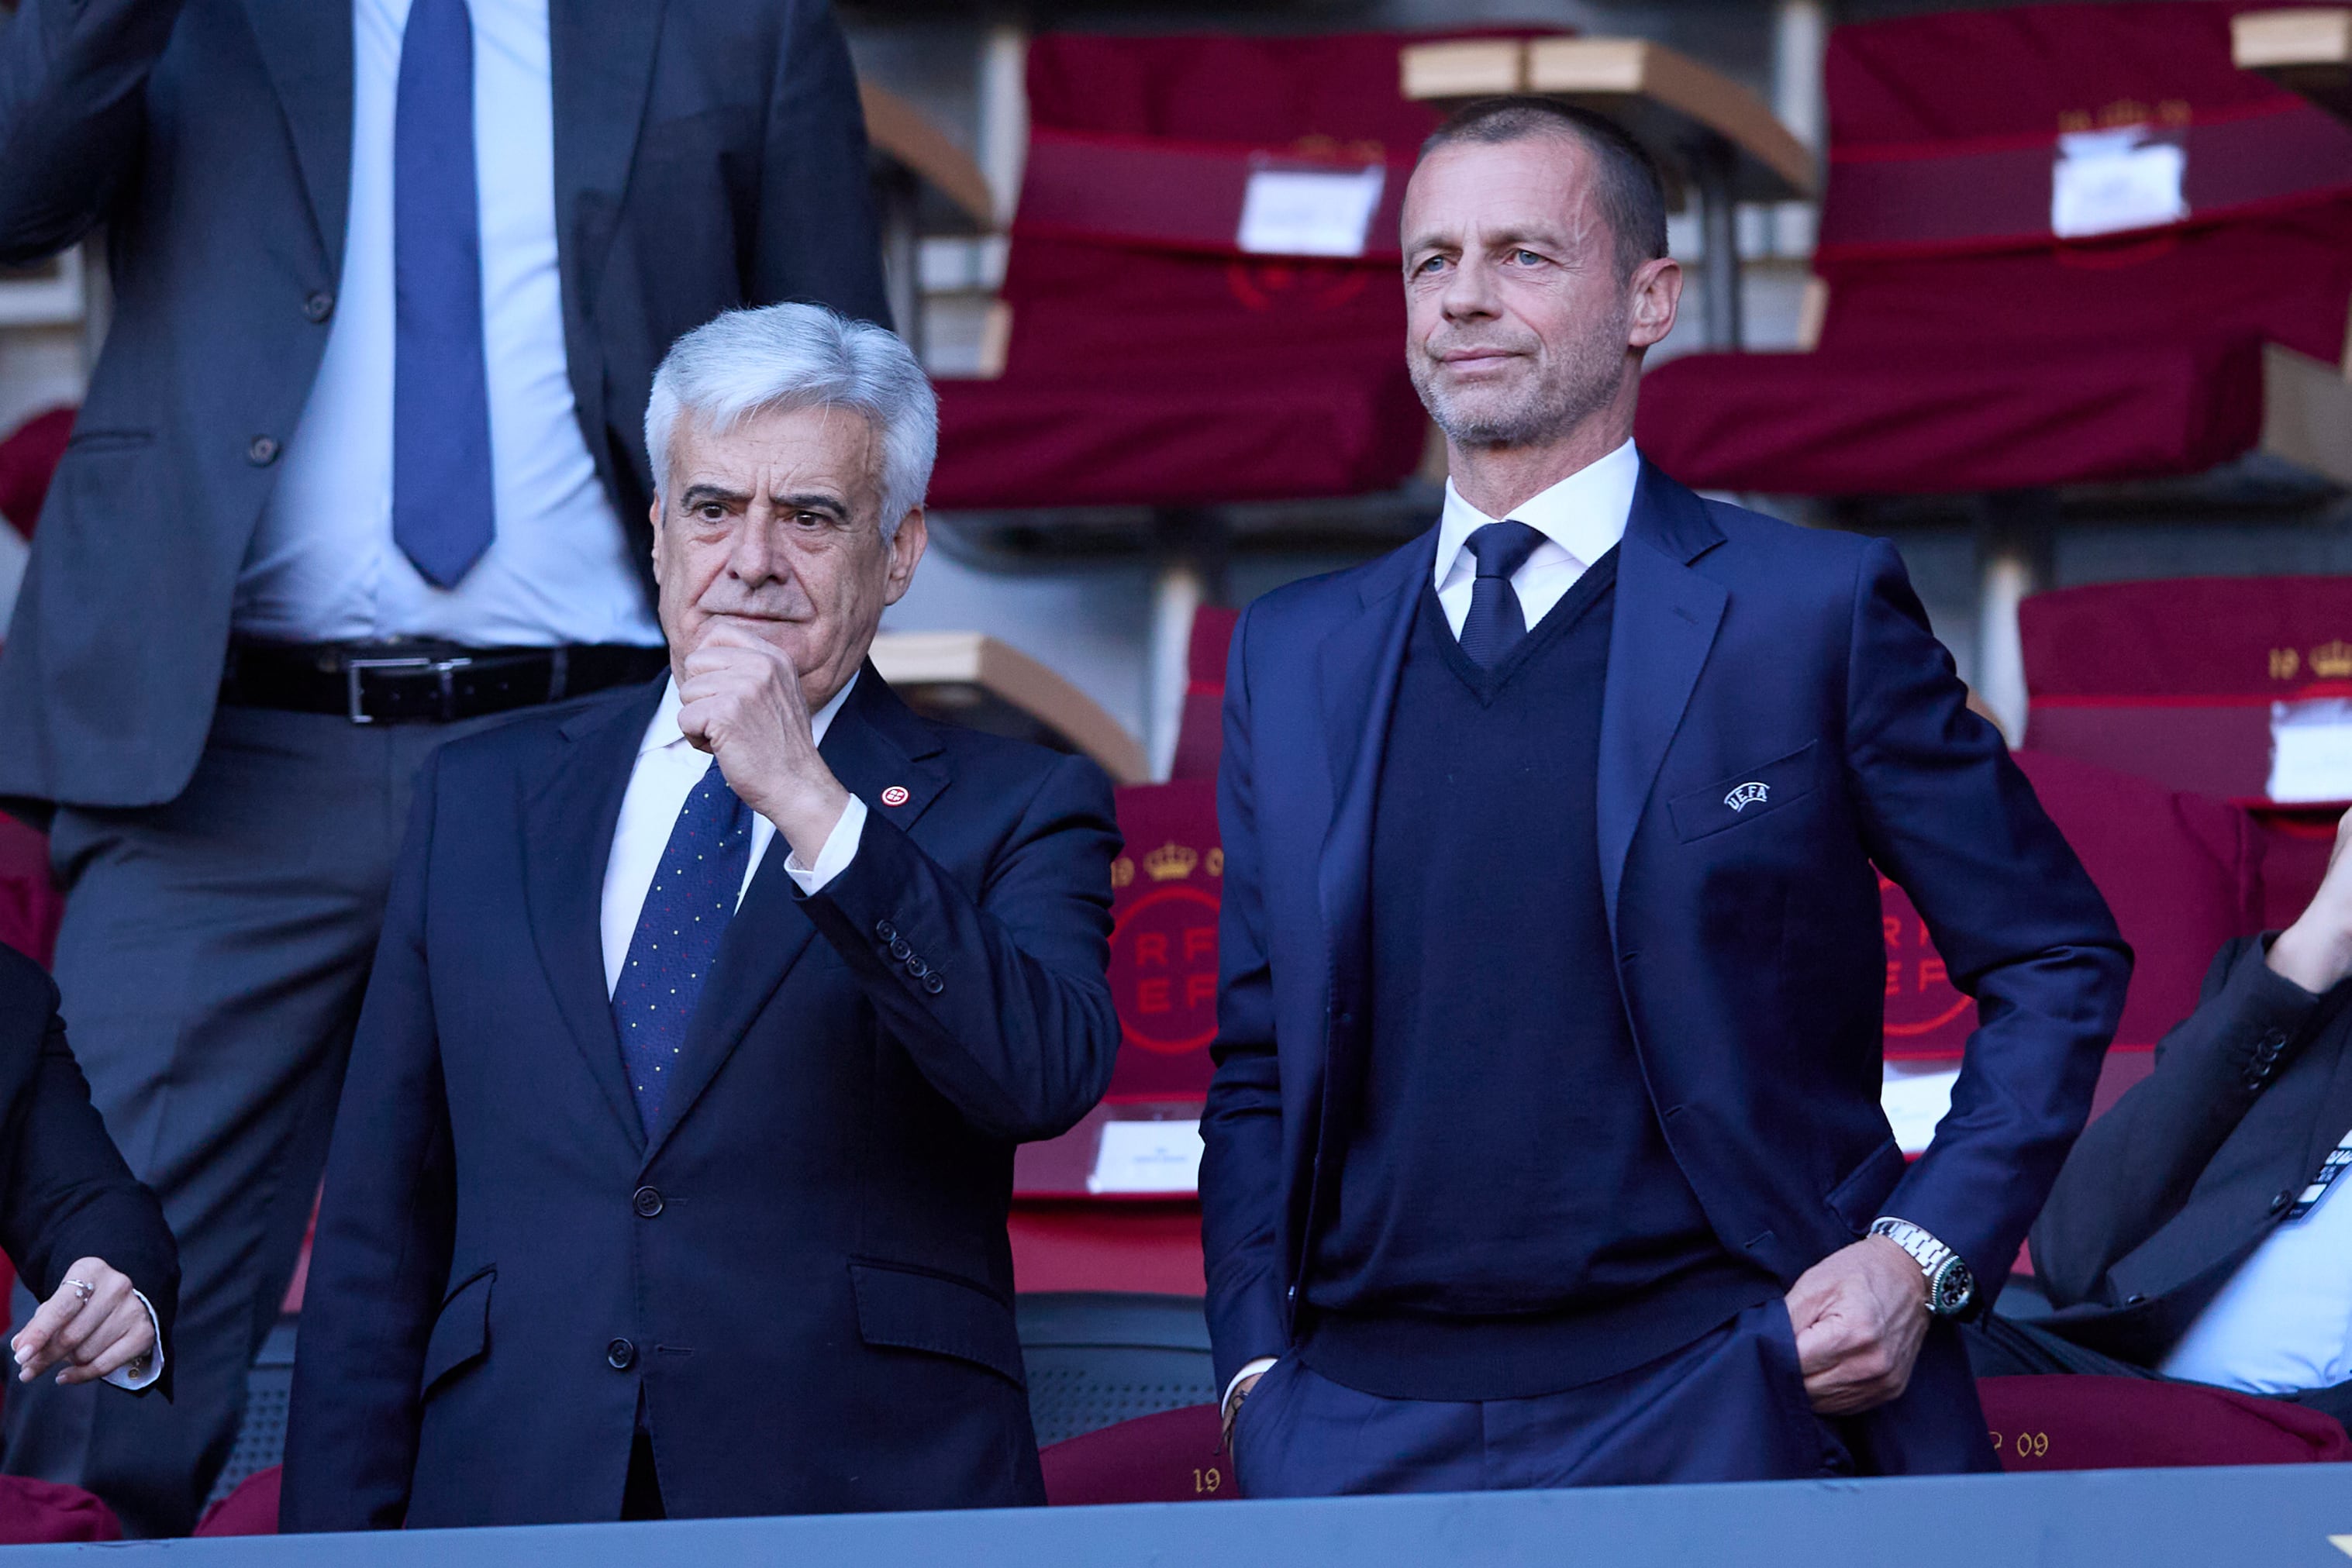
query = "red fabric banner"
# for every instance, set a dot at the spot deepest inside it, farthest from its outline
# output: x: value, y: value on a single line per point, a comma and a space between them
x: 1165, y: 890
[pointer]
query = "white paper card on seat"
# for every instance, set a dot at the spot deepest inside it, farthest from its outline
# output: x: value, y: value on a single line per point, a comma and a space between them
x: 1147, y: 1156
x: 2310, y: 750
x: 1915, y: 1096
x: 2108, y: 181
x: 1309, y: 211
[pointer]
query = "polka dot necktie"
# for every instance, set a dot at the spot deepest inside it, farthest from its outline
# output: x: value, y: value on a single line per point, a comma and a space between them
x: 686, y: 912
x: 1496, y: 621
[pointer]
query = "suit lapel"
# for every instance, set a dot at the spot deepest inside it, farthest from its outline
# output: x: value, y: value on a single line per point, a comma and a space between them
x: 874, y: 743
x: 1662, y: 625
x: 1357, y: 668
x: 577, y: 807
x: 308, y: 46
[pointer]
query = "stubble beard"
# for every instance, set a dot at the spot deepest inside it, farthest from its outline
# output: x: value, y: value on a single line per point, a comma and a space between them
x: 1565, y: 392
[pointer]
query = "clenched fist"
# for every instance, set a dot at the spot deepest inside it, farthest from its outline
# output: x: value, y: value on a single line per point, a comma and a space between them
x: 740, y: 700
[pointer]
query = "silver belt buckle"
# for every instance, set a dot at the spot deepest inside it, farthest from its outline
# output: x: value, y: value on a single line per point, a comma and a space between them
x: 354, y: 669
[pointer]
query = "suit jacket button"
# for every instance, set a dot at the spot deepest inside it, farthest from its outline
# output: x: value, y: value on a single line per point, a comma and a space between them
x: 934, y: 984
x: 2134, y: 1301
x: 918, y: 968
x: 261, y: 451
x: 620, y: 1355
x: 2280, y: 1201
x: 646, y: 1201
x: 885, y: 932
x: 320, y: 306
x: 900, y: 950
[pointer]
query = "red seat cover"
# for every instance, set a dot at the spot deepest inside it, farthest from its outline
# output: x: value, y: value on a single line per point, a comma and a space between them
x: 1964, y: 345
x: 1171, y: 369
x: 46, y: 1513
x: 2132, y: 1423
x: 250, y: 1510
x: 1176, y: 1456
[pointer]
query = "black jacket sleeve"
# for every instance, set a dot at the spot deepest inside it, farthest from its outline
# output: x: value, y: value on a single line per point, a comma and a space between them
x: 817, y: 236
x: 73, y: 107
x: 67, y: 1194
x: 2133, y: 1169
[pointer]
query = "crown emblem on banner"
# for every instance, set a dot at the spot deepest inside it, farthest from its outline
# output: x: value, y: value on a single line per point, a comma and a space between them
x: 2331, y: 661
x: 1170, y: 861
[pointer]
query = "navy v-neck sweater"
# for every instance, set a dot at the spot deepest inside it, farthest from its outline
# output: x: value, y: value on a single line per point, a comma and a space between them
x: 1509, y: 1220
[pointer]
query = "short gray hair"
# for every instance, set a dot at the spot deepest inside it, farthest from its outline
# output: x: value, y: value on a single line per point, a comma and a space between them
x: 784, y: 357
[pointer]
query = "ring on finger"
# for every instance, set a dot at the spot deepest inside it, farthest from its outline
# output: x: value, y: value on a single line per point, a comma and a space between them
x: 83, y: 1289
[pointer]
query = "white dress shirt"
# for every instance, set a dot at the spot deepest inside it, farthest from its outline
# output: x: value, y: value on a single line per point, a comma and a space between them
x: 1581, y: 518
x: 2284, y: 1321
x: 322, y: 566
x: 667, y: 770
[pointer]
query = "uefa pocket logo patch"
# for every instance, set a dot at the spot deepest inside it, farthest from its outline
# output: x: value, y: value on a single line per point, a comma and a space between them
x: 1751, y: 793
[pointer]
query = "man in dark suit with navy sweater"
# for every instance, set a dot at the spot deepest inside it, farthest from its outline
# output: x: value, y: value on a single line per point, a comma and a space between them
x: 671, y: 1173
x: 1545, y: 1145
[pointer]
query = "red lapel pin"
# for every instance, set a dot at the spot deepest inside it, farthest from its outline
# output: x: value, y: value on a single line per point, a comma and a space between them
x: 894, y: 796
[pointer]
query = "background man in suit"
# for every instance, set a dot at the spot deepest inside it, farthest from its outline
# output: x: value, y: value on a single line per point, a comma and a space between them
x: 2199, y: 1230
x: 359, y: 463
x: 69, y: 1204
x: 643, y: 1203
x: 1545, y: 1145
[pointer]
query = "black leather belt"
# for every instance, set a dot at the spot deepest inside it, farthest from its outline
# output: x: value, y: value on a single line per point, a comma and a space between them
x: 424, y: 683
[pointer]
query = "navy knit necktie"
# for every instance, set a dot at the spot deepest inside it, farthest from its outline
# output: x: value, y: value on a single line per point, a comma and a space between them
x: 443, y: 509
x: 1496, y: 622
x: 686, y: 912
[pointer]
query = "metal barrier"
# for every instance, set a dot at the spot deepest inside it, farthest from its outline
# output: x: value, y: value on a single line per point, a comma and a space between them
x: 2280, y: 1517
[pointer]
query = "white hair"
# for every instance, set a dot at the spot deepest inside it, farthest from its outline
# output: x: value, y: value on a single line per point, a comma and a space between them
x: 801, y: 356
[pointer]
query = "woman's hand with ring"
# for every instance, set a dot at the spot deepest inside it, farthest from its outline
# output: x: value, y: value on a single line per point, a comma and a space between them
x: 94, y: 1324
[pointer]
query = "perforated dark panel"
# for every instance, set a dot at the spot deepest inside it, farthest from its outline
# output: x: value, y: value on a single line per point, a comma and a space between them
x: 261, y: 1438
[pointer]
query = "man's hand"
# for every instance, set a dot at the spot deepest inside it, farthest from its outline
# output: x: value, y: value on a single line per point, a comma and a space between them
x: 1233, y: 1404
x: 91, y: 1334
x: 1860, y: 1314
x: 741, y: 701
x: 2316, y: 952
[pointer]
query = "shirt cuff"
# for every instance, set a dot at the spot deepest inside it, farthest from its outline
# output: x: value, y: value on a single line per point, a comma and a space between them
x: 840, y: 849
x: 122, y: 1376
x: 1262, y: 1364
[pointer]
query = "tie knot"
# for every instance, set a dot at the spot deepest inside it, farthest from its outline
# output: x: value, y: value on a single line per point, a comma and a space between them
x: 1501, y: 548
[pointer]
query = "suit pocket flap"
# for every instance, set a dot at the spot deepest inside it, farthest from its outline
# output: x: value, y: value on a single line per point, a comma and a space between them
x: 1743, y: 797
x: 912, y: 1311
x: 462, y: 1331
x: 1861, y: 1190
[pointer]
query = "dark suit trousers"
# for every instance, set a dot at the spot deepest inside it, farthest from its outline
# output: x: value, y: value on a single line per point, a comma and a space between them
x: 2008, y: 1347
x: 1730, y: 1408
x: 212, y: 961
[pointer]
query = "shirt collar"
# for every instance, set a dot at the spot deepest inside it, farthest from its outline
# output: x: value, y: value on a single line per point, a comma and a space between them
x: 664, y: 731
x: 1584, y: 513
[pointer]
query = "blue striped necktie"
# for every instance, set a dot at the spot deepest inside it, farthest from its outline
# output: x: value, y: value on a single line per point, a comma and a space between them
x: 686, y: 912
x: 443, y: 508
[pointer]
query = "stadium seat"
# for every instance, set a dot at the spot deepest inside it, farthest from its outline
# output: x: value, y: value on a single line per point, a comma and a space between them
x: 2132, y: 1423
x: 248, y: 1509
x: 261, y: 1437
x: 1153, y: 357
x: 1095, y: 1359
x: 49, y: 1513
x: 2175, y: 681
x: 1176, y: 1456
x: 1988, y: 322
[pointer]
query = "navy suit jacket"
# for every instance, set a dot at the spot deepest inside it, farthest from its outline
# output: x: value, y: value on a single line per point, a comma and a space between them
x: 801, y: 1272
x: 1743, y: 652
x: 708, y: 154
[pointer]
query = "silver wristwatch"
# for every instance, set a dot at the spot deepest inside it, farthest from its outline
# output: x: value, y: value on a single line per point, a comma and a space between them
x: 1951, y: 1289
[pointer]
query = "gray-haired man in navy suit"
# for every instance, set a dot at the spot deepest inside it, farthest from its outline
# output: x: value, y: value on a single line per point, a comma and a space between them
x: 358, y: 471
